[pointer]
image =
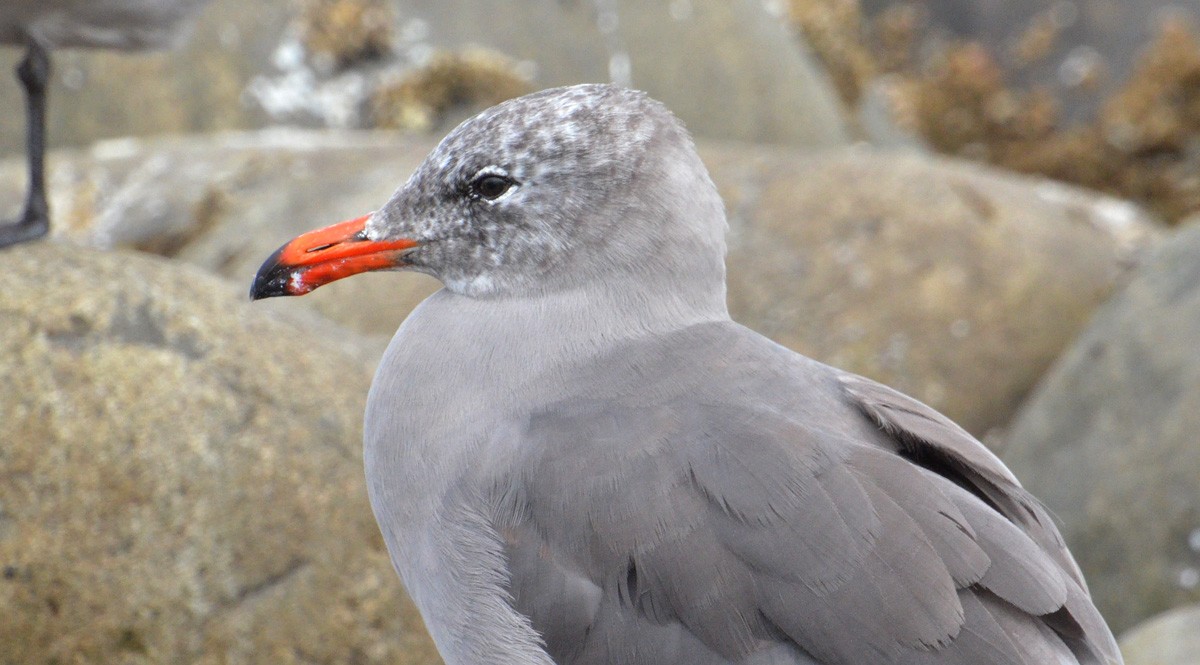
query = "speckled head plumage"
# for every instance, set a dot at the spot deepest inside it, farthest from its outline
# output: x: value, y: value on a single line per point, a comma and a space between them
x: 579, y: 181
x: 550, y: 191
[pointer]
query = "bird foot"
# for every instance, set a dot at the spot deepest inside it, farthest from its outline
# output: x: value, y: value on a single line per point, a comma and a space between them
x: 31, y: 226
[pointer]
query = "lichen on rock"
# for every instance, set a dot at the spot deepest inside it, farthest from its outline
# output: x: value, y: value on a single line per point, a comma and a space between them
x: 465, y: 81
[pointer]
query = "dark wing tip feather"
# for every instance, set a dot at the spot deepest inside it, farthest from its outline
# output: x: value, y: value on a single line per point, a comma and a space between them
x: 1032, y: 570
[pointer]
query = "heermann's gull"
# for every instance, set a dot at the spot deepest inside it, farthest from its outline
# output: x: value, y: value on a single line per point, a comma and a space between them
x: 575, y: 456
x: 42, y: 25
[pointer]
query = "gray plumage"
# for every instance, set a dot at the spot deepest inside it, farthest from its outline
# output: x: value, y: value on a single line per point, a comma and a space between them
x: 43, y: 25
x: 576, y: 457
x: 114, y: 24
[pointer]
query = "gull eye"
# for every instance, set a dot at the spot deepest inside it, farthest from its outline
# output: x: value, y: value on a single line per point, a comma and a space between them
x: 491, y: 186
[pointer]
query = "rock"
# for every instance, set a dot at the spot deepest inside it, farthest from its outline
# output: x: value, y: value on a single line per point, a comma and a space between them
x: 446, y: 89
x: 1080, y: 50
x: 196, y: 87
x: 884, y: 118
x: 1108, y: 440
x: 951, y: 281
x: 729, y: 69
x: 1171, y: 638
x: 226, y: 201
x: 182, y: 475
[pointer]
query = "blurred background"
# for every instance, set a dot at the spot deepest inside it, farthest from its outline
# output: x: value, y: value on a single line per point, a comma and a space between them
x: 990, y: 205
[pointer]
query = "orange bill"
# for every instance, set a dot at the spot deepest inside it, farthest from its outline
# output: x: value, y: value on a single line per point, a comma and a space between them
x: 326, y: 255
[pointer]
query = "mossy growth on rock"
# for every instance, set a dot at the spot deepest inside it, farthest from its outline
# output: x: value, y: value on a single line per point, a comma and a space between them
x: 958, y: 97
x: 1141, y: 145
x: 833, y: 30
x: 467, y: 80
x: 338, y: 34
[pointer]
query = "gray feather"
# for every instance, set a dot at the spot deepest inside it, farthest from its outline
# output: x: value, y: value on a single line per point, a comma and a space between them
x: 731, y: 519
x: 575, y: 456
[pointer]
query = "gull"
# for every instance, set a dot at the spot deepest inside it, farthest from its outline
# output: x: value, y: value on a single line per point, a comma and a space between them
x: 575, y: 456
x: 43, y: 25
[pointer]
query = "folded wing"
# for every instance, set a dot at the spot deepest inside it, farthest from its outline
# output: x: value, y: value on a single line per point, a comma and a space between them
x: 711, y: 526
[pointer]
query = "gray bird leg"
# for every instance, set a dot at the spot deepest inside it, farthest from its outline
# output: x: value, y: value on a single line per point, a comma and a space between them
x: 33, y: 72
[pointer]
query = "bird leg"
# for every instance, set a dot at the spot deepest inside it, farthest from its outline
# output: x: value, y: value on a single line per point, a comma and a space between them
x: 33, y: 72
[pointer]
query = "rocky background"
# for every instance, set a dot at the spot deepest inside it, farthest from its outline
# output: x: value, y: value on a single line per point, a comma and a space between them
x: 984, y: 204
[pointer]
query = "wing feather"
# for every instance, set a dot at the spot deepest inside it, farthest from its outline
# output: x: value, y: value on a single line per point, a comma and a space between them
x: 835, y: 521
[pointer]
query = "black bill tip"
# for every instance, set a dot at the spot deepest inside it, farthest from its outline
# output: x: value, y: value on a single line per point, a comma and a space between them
x: 273, y: 279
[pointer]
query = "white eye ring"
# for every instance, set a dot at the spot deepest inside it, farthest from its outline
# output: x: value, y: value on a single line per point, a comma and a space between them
x: 492, y: 184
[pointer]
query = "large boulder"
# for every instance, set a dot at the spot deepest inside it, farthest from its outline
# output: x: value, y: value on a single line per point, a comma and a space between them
x: 956, y: 283
x: 1082, y: 51
x: 1171, y: 638
x: 729, y: 68
x: 1109, y: 440
x: 951, y: 281
x: 182, y: 475
x: 226, y: 201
